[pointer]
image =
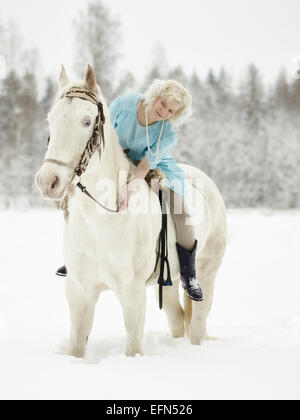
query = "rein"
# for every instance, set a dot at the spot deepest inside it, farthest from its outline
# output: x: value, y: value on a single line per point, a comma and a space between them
x: 95, y: 142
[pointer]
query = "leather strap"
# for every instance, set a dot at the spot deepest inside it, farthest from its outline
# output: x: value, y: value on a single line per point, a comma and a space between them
x: 60, y: 163
x: 92, y: 145
x: 163, y: 252
x: 85, y: 191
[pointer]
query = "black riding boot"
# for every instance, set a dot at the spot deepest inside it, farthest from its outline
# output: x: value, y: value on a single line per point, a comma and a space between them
x: 62, y: 271
x: 188, y: 272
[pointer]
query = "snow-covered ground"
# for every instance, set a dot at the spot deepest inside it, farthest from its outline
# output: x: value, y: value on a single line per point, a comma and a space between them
x: 256, y: 317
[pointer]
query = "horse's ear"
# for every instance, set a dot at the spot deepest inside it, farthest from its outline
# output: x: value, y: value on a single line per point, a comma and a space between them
x: 63, y: 78
x: 90, y: 79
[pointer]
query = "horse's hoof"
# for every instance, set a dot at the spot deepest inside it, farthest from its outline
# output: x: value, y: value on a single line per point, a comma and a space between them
x: 179, y: 335
x: 133, y: 353
x: 78, y: 354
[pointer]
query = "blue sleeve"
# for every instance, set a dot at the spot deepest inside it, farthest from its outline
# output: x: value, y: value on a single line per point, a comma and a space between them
x: 166, y: 144
x: 114, y: 112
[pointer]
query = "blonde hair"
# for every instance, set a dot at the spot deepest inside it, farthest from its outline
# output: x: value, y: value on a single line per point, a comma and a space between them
x: 166, y: 88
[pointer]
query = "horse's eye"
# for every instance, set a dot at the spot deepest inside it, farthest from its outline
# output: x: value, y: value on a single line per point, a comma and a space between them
x: 86, y: 122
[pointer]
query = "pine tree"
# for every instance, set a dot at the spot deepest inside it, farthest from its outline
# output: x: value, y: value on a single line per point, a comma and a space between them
x: 179, y: 75
x: 224, y: 87
x: 126, y: 85
x: 295, y: 95
x: 251, y: 93
x: 96, y: 43
x: 282, y: 91
x: 29, y: 131
x: 160, y: 60
x: 10, y: 139
x: 152, y: 75
x: 158, y: 68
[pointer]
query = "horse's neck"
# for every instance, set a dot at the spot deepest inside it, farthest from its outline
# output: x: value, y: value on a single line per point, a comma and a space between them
x: 110, y: 171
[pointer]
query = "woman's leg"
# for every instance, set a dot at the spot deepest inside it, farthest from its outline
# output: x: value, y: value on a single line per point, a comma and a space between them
x: 186, y: 246
x: 185, y: 233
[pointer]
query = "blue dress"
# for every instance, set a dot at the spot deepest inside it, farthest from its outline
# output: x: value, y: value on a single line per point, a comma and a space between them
x: 132, y: 135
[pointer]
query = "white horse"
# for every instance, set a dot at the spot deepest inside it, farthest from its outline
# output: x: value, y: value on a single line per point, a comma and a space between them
x: 117, y: 251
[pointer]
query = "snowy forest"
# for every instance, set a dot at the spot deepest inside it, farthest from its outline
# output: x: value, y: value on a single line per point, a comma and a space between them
x: 245, y: 135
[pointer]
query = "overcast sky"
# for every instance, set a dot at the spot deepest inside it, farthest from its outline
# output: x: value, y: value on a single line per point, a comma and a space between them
x: 197, y: 34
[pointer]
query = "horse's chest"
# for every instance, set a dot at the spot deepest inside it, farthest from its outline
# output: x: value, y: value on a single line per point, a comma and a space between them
x: 114, y: 248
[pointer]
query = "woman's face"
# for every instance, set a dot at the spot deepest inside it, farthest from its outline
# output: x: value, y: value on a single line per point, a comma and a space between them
x: 164, y: 108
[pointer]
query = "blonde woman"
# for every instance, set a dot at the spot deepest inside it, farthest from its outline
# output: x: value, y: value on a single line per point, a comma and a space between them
x: 146, y: 127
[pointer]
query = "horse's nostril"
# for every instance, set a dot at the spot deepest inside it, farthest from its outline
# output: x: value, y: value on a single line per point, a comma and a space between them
x: 54, y: 183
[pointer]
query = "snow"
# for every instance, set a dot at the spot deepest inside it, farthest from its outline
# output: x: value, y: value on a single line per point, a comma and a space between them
x: 255, y: 317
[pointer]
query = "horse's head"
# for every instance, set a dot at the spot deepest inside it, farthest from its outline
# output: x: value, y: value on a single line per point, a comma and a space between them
x: 71, y: 126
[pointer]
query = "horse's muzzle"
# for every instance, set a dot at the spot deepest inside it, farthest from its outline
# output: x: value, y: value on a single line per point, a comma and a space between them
x: 50, y: 186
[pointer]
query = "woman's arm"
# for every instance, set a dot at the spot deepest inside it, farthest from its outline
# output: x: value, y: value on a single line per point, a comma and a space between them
x: 140, y: 172
x: 142, y: 169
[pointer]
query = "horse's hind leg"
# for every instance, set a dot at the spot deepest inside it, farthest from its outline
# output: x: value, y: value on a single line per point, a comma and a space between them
x: 207, y: 266
x: 173, y: 309
x: 82, y: 308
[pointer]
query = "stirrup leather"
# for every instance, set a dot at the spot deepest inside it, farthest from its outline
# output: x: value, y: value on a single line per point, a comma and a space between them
x: 162, y: 252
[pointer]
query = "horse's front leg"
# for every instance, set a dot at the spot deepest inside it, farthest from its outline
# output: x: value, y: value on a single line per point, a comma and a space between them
x: 82, y: 301
x: 133, y: 302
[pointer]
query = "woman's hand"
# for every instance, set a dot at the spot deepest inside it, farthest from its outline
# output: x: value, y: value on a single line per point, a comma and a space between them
x: 123, y: 198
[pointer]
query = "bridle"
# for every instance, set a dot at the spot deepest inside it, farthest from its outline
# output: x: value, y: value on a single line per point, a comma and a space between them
x: 95, y: 142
